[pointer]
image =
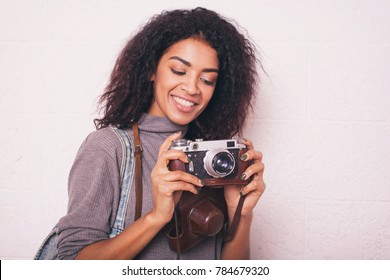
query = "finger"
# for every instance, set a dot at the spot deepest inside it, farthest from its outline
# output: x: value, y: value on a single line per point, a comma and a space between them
x: 252, y: 155
x: 168, y: 188
x: 168, y: 142
x: 183, y: 176
x: 257, y: 185
x: 166, y: 156
x: 255, y: 168
x: 249, y: 144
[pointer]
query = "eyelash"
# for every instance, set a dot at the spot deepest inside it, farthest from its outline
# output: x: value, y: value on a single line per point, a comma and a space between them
x: 180, y: 73
x: 209, y: 83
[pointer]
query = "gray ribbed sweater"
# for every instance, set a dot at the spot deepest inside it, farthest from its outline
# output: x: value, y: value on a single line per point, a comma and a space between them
x: 94, y: 192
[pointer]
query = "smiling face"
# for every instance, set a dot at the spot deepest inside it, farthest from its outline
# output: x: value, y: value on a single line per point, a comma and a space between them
x: 184, y: 81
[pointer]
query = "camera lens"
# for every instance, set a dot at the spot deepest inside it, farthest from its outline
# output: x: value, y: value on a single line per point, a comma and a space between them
x: 223, y: 163
x: 219, y: 163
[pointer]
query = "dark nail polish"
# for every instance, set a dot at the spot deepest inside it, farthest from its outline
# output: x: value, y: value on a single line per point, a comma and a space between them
x: 243, y: 176
x: 244, y: 157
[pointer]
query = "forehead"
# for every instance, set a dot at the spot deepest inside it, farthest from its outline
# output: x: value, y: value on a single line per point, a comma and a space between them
x: 196, y: 51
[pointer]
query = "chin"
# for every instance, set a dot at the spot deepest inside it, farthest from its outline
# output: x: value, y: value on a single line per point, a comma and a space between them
x: 181, y: 120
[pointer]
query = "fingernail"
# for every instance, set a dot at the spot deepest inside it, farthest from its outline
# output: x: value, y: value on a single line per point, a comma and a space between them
x: 244, y: 157
x: 241, y: 193
x: 243, y: 176
x: 202, y: 182
x: 178, y: 132
x: 197, y: 190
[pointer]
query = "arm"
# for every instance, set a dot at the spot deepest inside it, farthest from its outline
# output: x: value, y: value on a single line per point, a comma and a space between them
x: 167, y: 187
x: 239, y: 246
x: 127, y: 244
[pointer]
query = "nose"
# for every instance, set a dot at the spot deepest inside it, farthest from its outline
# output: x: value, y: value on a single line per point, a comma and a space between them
x: 190, y: 86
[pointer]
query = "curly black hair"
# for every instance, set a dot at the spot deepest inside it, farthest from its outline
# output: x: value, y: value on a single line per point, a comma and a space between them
x: 129, y: 93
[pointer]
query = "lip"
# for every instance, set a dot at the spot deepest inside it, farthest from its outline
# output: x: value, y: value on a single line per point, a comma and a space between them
x: 186, y: 99
x: 182, y: 108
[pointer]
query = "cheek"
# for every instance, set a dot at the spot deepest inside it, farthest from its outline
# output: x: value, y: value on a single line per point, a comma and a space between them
x: 164, y: 82
x: 208, y: 95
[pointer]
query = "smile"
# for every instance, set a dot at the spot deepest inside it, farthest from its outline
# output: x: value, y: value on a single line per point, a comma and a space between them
x: 183, y: 102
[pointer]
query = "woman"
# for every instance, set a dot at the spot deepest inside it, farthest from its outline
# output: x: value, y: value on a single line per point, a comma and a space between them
x: 187, y: 73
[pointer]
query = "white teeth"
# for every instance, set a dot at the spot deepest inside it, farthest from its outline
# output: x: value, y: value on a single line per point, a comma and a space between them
x: 183, y: 102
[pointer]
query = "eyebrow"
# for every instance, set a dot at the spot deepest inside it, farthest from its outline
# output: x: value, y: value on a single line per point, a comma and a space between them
x: 185, y: 62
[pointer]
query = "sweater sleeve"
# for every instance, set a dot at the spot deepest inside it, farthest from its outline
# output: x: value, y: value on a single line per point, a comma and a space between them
x: 93, y: 194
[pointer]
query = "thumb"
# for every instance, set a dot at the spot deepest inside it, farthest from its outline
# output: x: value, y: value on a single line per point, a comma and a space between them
x: 168, y: 142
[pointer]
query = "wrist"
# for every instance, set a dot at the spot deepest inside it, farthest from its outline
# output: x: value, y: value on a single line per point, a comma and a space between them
x: 156, y: 220
x: 247, y: 217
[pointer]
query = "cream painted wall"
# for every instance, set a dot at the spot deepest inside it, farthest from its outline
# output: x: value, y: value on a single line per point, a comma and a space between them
x: 322, y: 119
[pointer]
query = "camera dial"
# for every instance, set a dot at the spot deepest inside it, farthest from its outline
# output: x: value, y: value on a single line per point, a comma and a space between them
x: 219, y: 163
x: 180, y: 143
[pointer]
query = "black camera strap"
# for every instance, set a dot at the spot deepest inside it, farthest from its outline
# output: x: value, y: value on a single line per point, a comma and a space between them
x: 236, y: 220
x: 177, y: 229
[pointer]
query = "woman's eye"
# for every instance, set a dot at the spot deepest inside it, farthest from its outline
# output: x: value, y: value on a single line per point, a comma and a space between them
x: 207, y: 82
x: 178, y: 72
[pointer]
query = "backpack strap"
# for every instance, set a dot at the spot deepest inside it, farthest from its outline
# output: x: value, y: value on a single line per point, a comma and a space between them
x: 126, y: 174
x: 138, y: 172
x: 48, y: 250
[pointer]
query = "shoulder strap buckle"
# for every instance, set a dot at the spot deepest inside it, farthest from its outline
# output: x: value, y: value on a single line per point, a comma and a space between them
x: 138, y: 148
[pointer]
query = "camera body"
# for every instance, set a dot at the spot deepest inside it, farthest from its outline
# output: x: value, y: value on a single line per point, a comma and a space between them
x: 215, y: 162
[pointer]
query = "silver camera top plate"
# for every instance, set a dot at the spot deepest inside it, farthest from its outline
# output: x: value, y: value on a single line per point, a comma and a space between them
x: 200, y: 145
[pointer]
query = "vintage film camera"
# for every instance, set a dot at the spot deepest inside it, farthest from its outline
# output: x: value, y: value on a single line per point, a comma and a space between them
x: 216, y: 163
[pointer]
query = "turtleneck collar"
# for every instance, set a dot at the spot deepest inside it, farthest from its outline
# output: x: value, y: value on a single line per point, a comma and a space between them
x: 156, y: 124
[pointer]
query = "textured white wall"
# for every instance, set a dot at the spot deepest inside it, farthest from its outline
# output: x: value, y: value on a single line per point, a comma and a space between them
x: 322, y: 119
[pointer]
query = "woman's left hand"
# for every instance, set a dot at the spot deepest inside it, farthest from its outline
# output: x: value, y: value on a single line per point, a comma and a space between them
x: 253, y: 190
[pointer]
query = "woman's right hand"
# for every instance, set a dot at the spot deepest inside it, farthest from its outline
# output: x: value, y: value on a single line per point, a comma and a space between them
x: 168, y: 185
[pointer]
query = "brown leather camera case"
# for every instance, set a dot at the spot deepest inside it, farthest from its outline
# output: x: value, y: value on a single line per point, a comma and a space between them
x: 200, y: 216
